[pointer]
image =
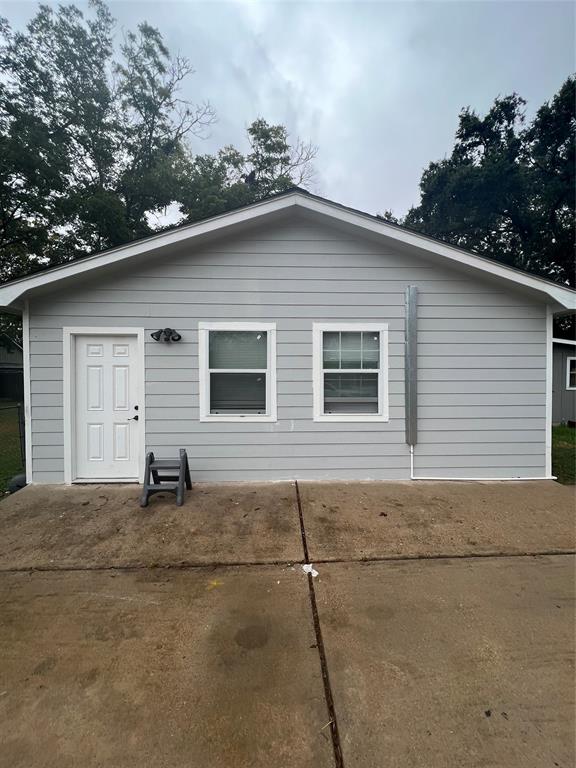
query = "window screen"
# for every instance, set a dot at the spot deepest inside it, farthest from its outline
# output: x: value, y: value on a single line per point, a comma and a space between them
x: 238, y: 349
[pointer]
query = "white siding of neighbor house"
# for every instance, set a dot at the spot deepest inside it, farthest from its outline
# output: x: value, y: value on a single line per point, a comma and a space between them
x: 481, y: 358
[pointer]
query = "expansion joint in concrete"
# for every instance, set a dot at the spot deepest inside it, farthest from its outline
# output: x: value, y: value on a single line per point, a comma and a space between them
x: 333, y: 721
x: 185, y: 566
x: 442, y: 556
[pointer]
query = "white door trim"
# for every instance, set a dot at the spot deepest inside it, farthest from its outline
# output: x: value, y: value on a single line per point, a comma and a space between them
x: 69, y: 376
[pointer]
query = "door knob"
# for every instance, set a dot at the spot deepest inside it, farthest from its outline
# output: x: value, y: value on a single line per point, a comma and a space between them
x: 134, y: 418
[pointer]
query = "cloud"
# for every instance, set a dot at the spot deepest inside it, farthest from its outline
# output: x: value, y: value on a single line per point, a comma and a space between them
x: 376, y: 85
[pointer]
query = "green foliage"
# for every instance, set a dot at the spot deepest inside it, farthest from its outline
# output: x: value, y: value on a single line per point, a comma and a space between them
x: 507, y: 190
x: 91, y: 146
x: 389, y: 216
x: 10, y: 332
x: 57, y: 127
x: 94, y: 149
x: 564, y: 454
x: 10, y: 452
x: 230, y: 179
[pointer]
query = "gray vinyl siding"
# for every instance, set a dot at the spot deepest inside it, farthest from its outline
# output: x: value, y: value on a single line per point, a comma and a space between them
x: 563, y: 399
x: 481, y: 358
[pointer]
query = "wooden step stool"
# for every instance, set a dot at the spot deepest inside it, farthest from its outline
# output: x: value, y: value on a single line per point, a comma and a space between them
x: 173, y: 483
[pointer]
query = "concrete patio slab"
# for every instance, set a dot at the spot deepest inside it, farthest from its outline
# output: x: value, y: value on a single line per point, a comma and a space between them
x: 203, y: 667
x: 347, y: 521
x: 89, y: 526
x: 452, y: 662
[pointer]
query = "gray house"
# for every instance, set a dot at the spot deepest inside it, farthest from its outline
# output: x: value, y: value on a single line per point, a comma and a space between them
x: 564, y: 381
x: 11, y: 374
x: 292, y: 338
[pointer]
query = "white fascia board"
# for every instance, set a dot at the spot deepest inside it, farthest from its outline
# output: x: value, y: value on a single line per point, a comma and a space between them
x: 564, y: 341
x: 10, y: 293
x: 566, y: 297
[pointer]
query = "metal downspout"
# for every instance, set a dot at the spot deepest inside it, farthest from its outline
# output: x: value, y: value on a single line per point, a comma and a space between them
x: 411, y: 371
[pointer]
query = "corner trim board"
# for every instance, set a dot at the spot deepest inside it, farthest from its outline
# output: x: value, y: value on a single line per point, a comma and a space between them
x: 549, y: 386
x: 27, y: 393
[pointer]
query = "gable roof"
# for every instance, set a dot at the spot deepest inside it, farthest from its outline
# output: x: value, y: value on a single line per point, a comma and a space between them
x: 12, y: 293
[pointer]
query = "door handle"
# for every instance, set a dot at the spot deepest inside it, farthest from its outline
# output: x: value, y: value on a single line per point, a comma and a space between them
x: 134, y: 418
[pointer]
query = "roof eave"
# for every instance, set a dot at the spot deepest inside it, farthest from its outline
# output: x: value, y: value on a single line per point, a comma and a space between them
x: 13, y: 291
x: 564, y: 298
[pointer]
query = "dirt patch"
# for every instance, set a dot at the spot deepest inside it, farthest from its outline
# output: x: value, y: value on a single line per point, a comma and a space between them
x: 346, y: 521
x: 83, y: 526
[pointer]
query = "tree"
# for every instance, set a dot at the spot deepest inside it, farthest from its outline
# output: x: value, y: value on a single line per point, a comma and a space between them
x: 507, y: 190
x: 215, y: 184
x: 88, y: 146
x: 389, y: 216
x: 155, y: 123
x: 94, y: 147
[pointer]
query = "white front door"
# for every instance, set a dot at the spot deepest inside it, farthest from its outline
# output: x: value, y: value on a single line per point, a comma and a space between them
x: 106, y: 404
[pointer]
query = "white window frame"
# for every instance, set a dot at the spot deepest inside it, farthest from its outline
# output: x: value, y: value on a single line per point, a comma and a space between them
x: 204, y: 371
x: 318, y: 372
x: 568, y: 361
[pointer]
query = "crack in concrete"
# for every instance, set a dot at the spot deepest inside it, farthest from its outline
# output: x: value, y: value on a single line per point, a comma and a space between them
x: 441, y: 556
x: 183, y: 566
x: 333, y: 722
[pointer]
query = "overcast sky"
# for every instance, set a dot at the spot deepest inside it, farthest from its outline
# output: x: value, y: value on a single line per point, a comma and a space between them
x: 376, y: 85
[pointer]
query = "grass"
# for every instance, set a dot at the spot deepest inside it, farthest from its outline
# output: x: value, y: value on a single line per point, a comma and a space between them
x: 10, y: 458
x: 564, y: 454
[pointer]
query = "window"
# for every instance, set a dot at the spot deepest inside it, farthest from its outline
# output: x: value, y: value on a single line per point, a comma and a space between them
x: 571, y: 373
x: 350, y: 372
x: 237, y: 371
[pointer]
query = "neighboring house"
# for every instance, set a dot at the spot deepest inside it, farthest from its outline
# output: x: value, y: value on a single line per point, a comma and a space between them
x: 310, y: 341
x: 11, y: 374
x: 564, y: 381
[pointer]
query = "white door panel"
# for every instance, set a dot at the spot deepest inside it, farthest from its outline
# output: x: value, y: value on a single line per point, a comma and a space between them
x: 106, y: 391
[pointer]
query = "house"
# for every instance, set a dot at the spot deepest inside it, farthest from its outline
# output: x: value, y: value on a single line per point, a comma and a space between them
x: 292, y: 338
x: 11, y: 374
x: 564, y: 381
